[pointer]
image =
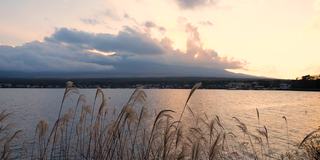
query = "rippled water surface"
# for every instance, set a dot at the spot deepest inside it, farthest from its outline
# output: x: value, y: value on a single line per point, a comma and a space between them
x: 302, y: 109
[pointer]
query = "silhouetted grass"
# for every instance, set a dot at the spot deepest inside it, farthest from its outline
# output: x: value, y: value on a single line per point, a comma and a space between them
x: 99, y: 132
x: 311, y: 143
x: 8, y: 135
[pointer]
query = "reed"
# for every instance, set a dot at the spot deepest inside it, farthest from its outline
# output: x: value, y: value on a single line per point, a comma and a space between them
x: 7, y: 137
x: 98, y: 131
x: 287, y: 131
x: 311, y: 143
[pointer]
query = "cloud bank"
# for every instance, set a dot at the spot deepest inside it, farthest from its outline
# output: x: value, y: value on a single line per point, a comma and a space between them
x: 127, y: 53
x: 190, y: 4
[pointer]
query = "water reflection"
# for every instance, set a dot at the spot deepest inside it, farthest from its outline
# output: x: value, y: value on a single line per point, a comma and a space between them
x: 302, y: 109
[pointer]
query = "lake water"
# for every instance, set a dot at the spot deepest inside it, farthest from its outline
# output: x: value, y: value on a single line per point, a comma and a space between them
x: 302, y: 109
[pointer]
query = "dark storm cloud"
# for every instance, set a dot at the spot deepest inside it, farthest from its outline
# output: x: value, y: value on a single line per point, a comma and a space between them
x: 190, y: 4
x: 126, y: 41
x: 48, y: 57
x: 128, y: 53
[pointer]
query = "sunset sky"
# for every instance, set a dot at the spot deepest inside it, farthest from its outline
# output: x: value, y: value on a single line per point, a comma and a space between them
x: 270, y: 38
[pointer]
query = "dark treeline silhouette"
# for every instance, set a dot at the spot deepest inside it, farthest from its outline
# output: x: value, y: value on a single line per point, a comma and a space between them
x: 309, y: 77
x: 307, y: 82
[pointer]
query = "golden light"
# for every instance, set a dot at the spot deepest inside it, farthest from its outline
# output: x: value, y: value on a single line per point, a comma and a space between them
x: 101, y: 52
x: 196, y: 55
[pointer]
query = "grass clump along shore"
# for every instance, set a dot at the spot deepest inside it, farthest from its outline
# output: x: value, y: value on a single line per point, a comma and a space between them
x: 100, y: 132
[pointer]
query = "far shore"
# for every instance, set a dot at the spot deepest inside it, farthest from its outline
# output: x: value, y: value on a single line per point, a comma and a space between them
x: 167, y: 83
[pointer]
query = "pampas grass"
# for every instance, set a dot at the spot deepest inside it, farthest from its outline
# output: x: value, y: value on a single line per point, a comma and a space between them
x: 311, y: 143
x: 100, y: 132
x: 7, y: 137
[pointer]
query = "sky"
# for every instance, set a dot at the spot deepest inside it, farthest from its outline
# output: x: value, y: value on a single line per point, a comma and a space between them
x: 270, y: 38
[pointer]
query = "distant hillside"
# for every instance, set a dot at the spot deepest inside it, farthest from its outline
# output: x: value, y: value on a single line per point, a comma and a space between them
x: 138, y: 72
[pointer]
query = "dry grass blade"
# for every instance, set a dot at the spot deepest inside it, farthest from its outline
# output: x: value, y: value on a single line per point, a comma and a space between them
x: 128, y: 134
x: 6, y: 148
x: 287, y: 130
x: 241, y: 125
x: 70, y: 87
x: 4, y: 115
x: 308, y: 136
x: 219, y: 122
x: 258, y: 116
x: 213, y: 148
x: 42, y: 128
x: 151, y: 137
x: 190, y: 110
x: 194, y: 88
x: 285, y: 118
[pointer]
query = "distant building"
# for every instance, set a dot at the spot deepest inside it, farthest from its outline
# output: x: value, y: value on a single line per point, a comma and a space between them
x: 238, y: 85
x: 284, y: 86
x: 256, y: 85
x: 6, y: 85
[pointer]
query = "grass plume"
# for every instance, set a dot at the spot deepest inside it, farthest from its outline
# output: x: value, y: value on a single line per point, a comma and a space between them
x: 97, y: 131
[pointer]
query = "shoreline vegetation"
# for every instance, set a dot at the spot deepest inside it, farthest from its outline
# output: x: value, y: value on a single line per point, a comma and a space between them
x: 305, y: 83
x: 100, y: 132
